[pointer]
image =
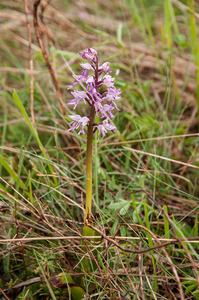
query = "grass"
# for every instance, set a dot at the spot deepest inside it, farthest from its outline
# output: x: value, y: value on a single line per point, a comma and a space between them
x: 146, y: 174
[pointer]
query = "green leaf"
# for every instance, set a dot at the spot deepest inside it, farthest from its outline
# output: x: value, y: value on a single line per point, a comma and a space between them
x: 77, y: 292
x: 196, y: 294
x: 125, y: 208
x: 179, y: 39
x: 63, y: 280
x: 11, y: 172
x: 119, y: 37
x: 114, y: 227
x: 66, y: 54
x: 118, y: 205
x: 96, y: 31
x: 44, y: 275
x: 193, y: 281
x: 21, y: 107
x: 190, y: 288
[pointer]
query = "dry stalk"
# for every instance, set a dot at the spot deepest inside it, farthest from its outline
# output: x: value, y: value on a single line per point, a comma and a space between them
x: 4, y: 294
x: 46, y: 57
x: 31, y: 65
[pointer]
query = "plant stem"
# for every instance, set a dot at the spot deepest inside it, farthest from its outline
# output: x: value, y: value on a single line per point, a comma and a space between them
x: 87, y: 231
x: 89, y: 164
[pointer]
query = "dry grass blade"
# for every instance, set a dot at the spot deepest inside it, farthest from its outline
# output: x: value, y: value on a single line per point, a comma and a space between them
x: 31, y: 65
x: 162, y: 157
x: 45, y: 54
x: 109, y: 238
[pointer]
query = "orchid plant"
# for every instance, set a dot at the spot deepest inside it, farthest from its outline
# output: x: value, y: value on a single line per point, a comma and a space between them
x: 100, y: 95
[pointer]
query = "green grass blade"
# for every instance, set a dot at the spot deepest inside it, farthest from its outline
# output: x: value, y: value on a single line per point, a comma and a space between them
x: 21, y: 107
x: 45, y: 278
x: 11, y: 172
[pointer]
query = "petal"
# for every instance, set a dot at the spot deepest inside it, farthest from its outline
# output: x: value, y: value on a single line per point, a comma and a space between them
x: 79, y: 78
x: 105, y: 67
x: 110, y: 127
x: 108, y: 80
x: 86, y: 66
x: 90, y: 79
x: 93, y: 51
x: 75, y: 117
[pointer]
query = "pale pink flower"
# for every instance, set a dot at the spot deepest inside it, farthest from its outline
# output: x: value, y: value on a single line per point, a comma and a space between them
x: 105, y: 67
x: 102, y: 98
x: 77, y: 122
x: 104, y: 126
x: 79, y: 96
x: 86, y: 66
x: 90, y: 55
x: 108, y: 81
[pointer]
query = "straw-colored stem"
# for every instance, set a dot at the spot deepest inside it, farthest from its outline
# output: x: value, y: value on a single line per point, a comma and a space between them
x: 89, y: 165
x: 87, y: 231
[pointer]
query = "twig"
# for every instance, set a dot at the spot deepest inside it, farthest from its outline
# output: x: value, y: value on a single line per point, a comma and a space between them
x: 79, y: 237
x: 31, y: 66
x: 126, y: 294
x: 109, y: 244
x: 47, y: 32
x: 4, y: 294
x: 185, y: 7
x: 43, y: 49
x: 127, y: 249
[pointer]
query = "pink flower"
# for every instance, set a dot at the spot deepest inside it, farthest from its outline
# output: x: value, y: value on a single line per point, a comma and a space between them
x: 108, y: 81
x: 107, y: 108
x: 79, y: 78
x: 86, y: 66
x: 93, y: 51
x: 89, y: 79
x: 104, y: 126
x: 78, y: 121
x: 105, y: 67
x: 79, y: 96
x: 101, y: 100
x: 90, y: 55
x: 99, y: 108
x: 113, y: 94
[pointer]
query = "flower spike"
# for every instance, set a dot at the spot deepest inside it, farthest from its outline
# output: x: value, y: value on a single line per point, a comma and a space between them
x: 101, y: 100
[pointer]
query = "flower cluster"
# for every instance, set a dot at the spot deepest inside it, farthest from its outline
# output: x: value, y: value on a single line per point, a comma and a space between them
x: 100, y: 95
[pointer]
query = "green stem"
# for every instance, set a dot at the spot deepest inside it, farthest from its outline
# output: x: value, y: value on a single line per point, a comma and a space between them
x: 87, y: 231
x: 89, y: 165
